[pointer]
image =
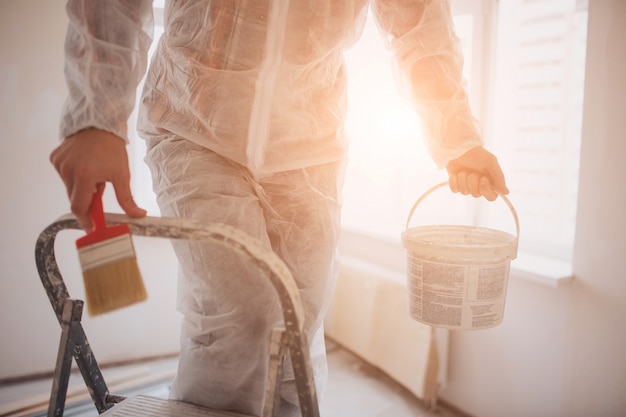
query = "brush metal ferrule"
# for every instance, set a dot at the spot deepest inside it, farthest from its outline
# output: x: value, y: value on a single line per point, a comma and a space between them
x: 106, y: 252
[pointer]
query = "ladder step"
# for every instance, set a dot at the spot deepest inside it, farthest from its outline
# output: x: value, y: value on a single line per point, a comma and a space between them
x: 144, y: 405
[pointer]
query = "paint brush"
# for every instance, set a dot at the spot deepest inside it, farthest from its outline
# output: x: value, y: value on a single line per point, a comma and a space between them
x: 107, y: 257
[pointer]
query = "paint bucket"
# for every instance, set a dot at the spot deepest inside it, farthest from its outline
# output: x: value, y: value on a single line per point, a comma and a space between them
x: 458, y: 275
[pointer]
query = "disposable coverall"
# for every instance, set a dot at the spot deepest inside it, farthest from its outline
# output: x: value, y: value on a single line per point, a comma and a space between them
x: 243, y: 112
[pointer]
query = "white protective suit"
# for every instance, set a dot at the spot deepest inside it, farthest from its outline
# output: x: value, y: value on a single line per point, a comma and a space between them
x: 243, y: 112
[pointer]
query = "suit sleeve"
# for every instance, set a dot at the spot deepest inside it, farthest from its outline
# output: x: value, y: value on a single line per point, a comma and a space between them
x: 429, y: 62
x: 106, y: 50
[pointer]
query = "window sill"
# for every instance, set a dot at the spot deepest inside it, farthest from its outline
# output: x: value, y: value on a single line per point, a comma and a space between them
x: 375, y: 252
x: 541, y: 269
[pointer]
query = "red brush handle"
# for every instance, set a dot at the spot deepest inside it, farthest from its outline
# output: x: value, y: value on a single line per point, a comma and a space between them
x: 96, y: 211
x: 101, y: 231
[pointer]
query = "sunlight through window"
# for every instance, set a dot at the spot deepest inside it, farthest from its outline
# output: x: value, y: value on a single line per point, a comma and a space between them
x: 389, y: 164
x: 525, y: 81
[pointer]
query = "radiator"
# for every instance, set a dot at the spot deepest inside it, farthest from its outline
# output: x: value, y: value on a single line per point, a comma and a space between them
x: 369, y: 316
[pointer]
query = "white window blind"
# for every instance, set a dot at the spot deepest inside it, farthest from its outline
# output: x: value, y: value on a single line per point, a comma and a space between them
x: 537, y: 116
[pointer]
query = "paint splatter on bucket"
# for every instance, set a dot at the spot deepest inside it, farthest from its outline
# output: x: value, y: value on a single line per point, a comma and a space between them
x: 458, y: 275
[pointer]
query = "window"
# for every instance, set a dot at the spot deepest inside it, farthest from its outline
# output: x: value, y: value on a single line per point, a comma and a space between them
x: 389, y: 165
x: 537, y: 116
x: 524, y: 63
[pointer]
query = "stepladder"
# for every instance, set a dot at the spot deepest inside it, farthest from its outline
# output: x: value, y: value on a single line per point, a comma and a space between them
x: 287, y: 340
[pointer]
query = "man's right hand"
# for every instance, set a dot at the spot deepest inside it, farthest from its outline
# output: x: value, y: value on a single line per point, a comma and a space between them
x: 88, y: 158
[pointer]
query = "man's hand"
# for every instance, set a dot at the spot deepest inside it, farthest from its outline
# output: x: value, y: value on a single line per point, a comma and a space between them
x: 477, y: 172
x: 88, y: 158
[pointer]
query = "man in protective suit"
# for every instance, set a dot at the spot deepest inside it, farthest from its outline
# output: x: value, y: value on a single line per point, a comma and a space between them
x: 243, y: 114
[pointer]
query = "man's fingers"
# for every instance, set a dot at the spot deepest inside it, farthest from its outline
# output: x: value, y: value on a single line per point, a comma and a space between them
x: 461, y: 181
x: 470, y: 167
x: 473, y: 179
x: 473, y: 183
x: 497, y: 180
x: 125, y: 199
x: 453, y: 183
x: 486, y: 190
x: 80, y: 199
x: 89, y: 158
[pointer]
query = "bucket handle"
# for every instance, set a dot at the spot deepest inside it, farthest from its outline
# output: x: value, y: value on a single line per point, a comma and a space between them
x: 443, y: 184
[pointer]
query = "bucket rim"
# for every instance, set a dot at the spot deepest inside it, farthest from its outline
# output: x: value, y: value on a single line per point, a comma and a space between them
x: 416, y: 241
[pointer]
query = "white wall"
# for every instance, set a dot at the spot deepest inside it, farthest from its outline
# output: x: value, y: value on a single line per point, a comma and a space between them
x: 560, y: 351
x: 516, y: 368
x: 595, y: 360
x: 32, y: 91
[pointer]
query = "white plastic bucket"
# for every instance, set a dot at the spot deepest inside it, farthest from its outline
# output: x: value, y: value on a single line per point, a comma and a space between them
x: 458, y: 275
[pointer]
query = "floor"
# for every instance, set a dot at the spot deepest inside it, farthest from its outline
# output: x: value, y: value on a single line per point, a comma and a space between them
x: 354, y: 389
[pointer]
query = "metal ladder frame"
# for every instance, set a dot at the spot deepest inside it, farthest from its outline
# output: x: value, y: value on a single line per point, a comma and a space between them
x: 74, y: 344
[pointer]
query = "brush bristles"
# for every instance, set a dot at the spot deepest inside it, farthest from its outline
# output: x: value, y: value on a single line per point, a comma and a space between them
x: 113, y: 286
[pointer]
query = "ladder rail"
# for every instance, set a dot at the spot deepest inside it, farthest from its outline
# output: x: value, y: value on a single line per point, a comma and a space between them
x: 265, y: 259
